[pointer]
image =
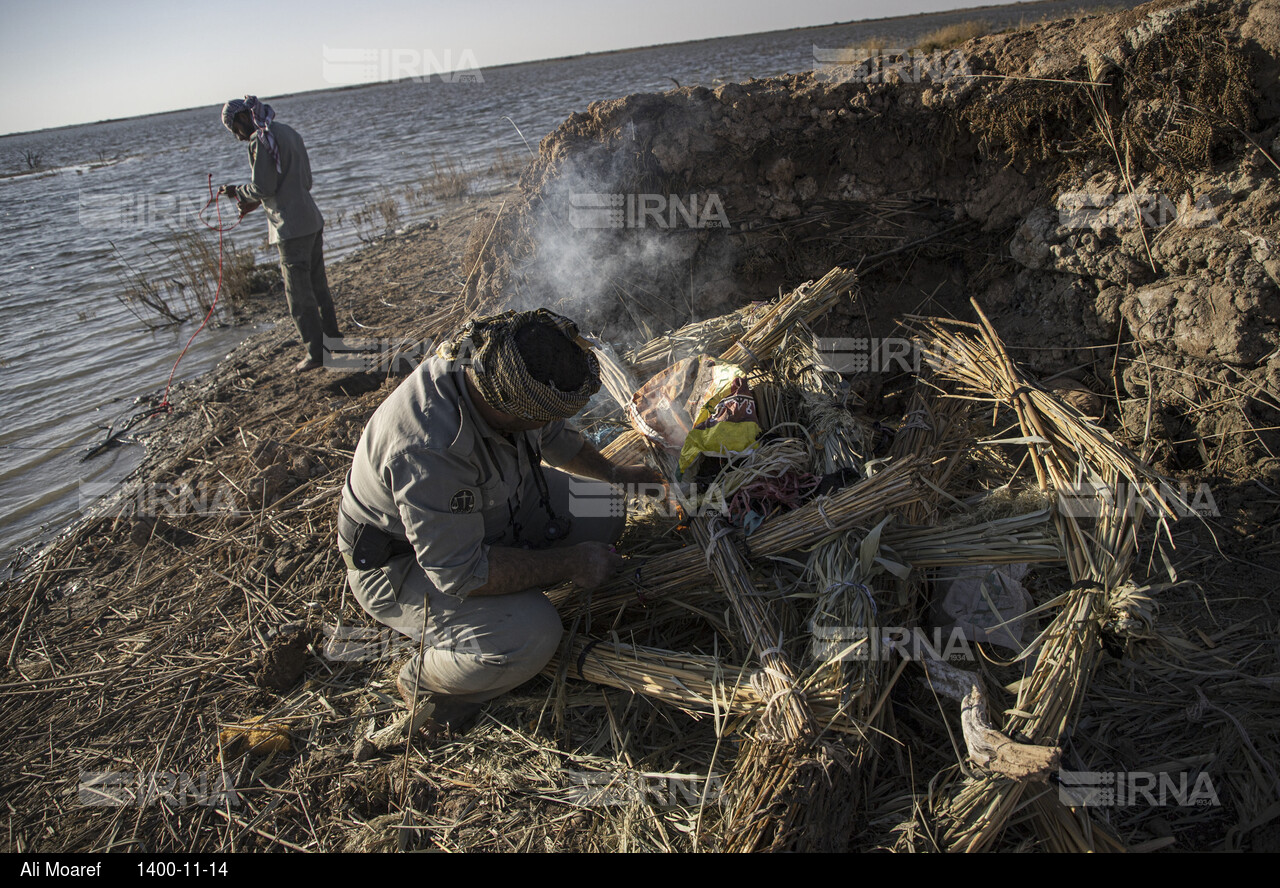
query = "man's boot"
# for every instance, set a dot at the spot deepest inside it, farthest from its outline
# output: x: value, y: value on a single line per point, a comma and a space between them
x: 443, y: 716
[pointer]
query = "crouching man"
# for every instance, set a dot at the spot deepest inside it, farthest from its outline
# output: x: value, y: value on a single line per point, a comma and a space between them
x: 450, y: 525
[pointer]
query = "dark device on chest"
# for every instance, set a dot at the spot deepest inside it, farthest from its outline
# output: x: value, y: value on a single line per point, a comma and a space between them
x: 558, y: 526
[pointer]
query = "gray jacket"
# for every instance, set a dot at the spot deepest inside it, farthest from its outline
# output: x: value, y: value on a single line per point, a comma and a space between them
x: 286, y: 196
x: 429, y: 469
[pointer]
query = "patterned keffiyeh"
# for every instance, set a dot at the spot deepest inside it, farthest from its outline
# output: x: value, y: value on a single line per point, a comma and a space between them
x: 262, y: 116
x: 500, y: 373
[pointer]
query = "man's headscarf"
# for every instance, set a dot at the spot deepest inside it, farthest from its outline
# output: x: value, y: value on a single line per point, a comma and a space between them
x: 262, y: 116
x: 501, y: 374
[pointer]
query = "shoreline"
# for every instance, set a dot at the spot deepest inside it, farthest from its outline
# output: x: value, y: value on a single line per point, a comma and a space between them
x: 268, y: 354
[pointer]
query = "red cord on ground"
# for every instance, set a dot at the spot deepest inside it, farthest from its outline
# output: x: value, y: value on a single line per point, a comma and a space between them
x: 165, y: 406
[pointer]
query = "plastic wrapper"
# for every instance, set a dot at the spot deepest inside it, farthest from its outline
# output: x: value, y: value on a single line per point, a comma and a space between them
x: 697, y: 406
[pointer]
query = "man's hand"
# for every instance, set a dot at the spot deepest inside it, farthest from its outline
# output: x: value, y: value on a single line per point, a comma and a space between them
x: 590, y: 463
x: 593, y: 564
x: 230, y: 191
x: 636, y: 474
x: 247, y: 206
x: 511, y: 570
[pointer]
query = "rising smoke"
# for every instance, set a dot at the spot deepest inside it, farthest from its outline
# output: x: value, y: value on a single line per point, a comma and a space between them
x: 621, y: 248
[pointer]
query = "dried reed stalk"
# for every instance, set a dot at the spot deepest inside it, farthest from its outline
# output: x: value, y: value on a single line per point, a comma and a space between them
x: 863, y: 503
x: 709, y: 337
x: 804, y: 304
x: 1015, y: 539
x: 1065, y: 446
x: 689, y: 681
x: 799, y: 362
x: 787, y: 714
x: 777, y: 769
x: 627, y: 449
x: 781, y: 774
x: 939, y: 426
x: 1064, y: 449
x: 845, y: 613
x: 811, y: 390
x: 845, y: 605
x: 770, y: 325
x: 787, y: 717
x: 617, y: 380
x: 789, y: 796
x: 1049, y: 700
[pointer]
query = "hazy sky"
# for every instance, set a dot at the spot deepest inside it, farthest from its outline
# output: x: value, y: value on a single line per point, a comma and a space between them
x: 75, y: 61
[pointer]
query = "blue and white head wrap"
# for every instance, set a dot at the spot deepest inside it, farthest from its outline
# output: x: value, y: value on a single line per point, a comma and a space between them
x: 262, y: 116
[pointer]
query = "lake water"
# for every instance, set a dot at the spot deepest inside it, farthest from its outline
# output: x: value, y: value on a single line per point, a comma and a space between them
x: 73, y: 357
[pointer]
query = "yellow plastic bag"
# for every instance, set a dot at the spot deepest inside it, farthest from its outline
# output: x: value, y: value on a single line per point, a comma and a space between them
x: 726, y: 424
x: 697, y: 406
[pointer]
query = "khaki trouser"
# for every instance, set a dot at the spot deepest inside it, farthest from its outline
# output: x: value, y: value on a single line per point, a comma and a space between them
x: 477, y: 648
x: 306, y: 290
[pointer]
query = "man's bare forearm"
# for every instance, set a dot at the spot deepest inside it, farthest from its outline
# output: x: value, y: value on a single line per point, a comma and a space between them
x: 590, y: 463
x: 586, y: 565
x: 514, y: 570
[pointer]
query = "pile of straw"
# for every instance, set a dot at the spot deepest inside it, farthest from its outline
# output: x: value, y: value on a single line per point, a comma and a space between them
x: 730, y: 690
x: 795, y: 678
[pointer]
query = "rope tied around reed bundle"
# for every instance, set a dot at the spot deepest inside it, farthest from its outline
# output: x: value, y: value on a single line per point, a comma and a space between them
x: 778, y: 690
x: 916, y: 419
x: 840, y: 585
x: 822, y: 513
x: 582, y: 657
x: 755, y: 359
x: 718, y: 534
x: 1130, y: 612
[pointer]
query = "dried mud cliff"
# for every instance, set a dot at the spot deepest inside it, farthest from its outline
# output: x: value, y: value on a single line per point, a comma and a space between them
x: 1106, y: 188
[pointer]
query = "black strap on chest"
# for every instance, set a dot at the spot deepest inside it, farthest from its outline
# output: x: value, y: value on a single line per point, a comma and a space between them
x: 558, y: 526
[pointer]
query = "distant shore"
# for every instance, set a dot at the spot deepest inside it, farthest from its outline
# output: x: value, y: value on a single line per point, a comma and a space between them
x: 1026, y: 7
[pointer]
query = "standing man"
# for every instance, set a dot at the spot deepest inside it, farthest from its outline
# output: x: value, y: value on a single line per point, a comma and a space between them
x: 449, y: 525
x: 281, y: 182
